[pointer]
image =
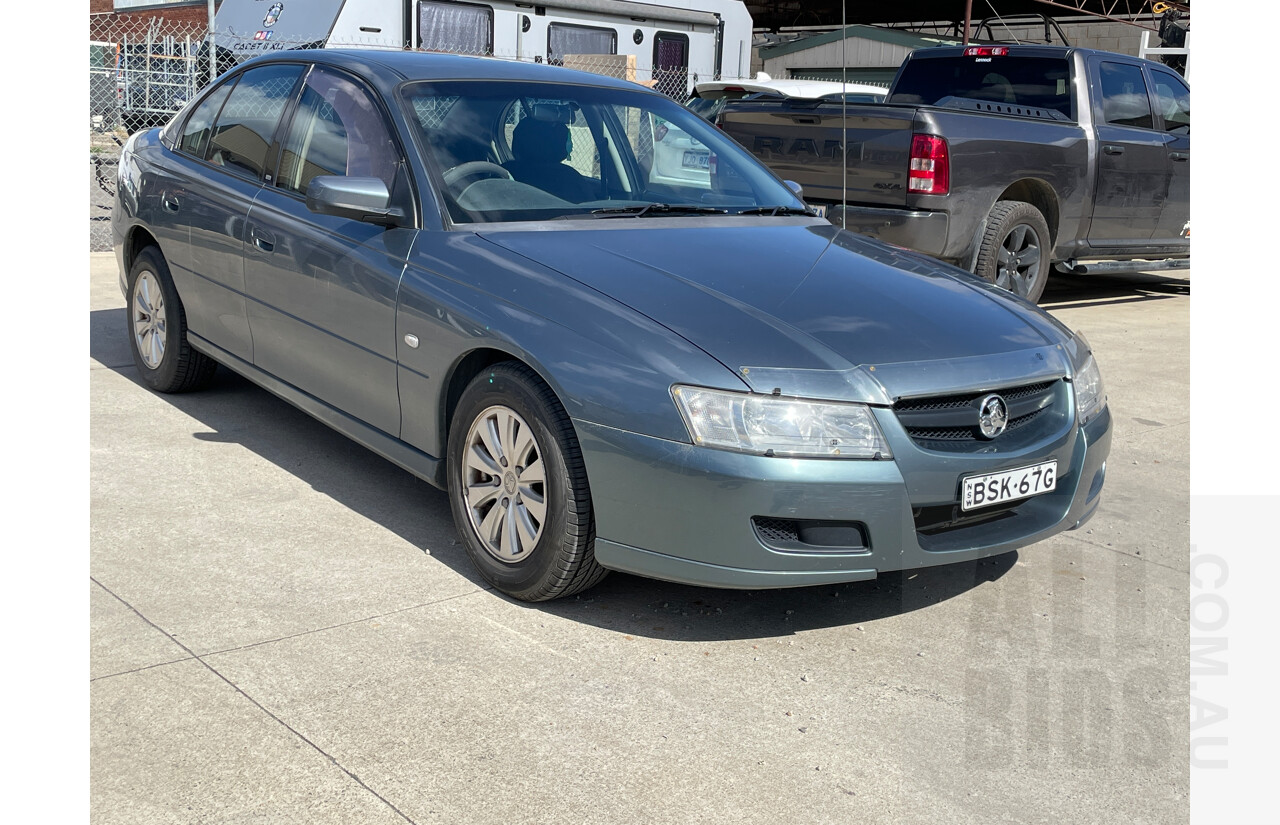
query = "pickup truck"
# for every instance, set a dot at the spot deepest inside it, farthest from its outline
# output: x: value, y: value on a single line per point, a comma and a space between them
x: 1007, y: 161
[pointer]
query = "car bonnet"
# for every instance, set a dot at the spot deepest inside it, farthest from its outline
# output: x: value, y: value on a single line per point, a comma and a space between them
x: 785, y: 308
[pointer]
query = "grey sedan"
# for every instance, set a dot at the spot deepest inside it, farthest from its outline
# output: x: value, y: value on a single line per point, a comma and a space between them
x: 472, y: 267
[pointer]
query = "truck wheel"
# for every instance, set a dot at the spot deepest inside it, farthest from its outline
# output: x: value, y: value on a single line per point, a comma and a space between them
x: 1015, y: 249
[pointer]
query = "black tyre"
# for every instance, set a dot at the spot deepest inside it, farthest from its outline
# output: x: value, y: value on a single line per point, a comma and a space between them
x: 1015, y: 249
x: 518, y: 487
x: 158, y: 329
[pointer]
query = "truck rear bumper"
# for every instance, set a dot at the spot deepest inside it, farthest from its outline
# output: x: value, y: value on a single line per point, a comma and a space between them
x: 922, y: 231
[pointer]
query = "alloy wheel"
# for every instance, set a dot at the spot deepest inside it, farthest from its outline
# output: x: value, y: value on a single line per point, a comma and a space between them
x: 504, y: 484
x: 149, y: 323
x: 1018, y: 263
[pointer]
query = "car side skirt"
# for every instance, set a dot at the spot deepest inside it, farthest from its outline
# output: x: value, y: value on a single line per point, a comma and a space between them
x: 426, y: 467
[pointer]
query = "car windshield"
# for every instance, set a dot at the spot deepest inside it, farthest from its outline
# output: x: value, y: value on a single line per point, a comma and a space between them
x: 507, y: 151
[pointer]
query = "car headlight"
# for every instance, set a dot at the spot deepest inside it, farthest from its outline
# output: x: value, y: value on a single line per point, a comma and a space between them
x: 773, y: 425
x: 1090, y: 396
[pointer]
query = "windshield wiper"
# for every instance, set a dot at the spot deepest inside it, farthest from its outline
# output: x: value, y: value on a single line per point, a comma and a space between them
x: 776, y: 210
x: 658, y: 209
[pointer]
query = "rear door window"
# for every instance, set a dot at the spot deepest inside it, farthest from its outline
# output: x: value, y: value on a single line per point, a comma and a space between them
x: 241, y: 140
x: 1173, y: 99
x: 195, y: 135
x: 1124, y: 95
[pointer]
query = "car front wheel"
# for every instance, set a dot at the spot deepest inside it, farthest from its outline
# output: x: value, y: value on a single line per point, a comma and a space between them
x: 518, y: 487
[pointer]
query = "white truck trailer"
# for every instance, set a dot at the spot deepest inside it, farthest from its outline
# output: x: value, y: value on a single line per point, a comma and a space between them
x: 684, y: 41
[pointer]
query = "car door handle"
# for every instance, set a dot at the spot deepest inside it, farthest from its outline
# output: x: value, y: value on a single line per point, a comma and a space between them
x: 170, y: 203
x: 1112, y: 149
x: 1180, y: 156
x: 263, y: 240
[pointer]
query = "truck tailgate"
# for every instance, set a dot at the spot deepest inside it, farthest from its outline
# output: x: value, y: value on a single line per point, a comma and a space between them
x: 801, y: 142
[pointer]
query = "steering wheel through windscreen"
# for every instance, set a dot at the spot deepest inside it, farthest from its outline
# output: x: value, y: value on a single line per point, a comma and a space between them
x: 462, y: 176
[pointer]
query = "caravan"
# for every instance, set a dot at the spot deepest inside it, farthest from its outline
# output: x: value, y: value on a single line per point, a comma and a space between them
x: 668, y: 45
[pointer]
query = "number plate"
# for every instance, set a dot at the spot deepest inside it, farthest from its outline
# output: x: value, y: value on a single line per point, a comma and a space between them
x: 696, y: 160
x: 1010, y: 485
x: 820, y: 208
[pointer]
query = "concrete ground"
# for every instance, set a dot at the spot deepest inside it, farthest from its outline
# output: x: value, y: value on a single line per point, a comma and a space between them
x: 284, y: 628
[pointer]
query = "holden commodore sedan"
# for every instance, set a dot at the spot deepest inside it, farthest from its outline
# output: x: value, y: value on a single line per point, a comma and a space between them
x: 470, y: 267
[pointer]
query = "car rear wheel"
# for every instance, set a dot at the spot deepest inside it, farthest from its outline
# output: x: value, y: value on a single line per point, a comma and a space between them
x: 158, y: 329
x: 1015, y: 249
x: 518, y: 487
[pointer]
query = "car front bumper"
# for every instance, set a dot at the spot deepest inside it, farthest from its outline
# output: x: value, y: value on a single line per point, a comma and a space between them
x: 678, y: 512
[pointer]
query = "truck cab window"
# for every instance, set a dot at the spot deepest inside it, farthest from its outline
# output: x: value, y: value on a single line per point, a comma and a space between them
x: 1124, y: 96
x: 1039, y: 82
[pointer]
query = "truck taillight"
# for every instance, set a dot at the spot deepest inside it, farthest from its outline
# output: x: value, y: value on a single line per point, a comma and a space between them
x: 930, y: 166
x: 986, y: 51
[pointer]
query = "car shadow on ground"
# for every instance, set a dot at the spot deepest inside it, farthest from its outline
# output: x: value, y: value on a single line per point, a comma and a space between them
x: 1072, y: 291
x: 675, y: 612
x: 234, y: 410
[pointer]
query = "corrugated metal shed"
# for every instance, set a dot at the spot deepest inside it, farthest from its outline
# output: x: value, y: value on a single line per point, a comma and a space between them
x: 873, y: 54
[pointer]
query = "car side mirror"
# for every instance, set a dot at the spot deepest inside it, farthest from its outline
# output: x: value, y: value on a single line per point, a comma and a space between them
x: 796, y: 189
x: 360, y: 199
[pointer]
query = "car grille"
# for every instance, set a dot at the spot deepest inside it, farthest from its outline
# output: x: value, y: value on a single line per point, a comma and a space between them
x: 952, y: 420
x: 943, y: 517
x: 776, y: 530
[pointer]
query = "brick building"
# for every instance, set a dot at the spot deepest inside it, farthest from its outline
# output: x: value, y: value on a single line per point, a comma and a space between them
x: 110, y: 19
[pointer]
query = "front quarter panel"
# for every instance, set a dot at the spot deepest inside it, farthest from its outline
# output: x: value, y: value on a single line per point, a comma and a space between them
x: 608, y: 364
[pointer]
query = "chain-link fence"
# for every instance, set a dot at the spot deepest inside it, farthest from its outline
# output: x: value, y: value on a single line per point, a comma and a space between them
x: 142, y: 72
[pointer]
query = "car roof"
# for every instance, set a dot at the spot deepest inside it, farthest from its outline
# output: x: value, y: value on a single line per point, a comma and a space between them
x: 392, y: 67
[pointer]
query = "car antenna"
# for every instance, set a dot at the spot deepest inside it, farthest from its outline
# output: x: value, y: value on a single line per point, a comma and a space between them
x: 844, y: 115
